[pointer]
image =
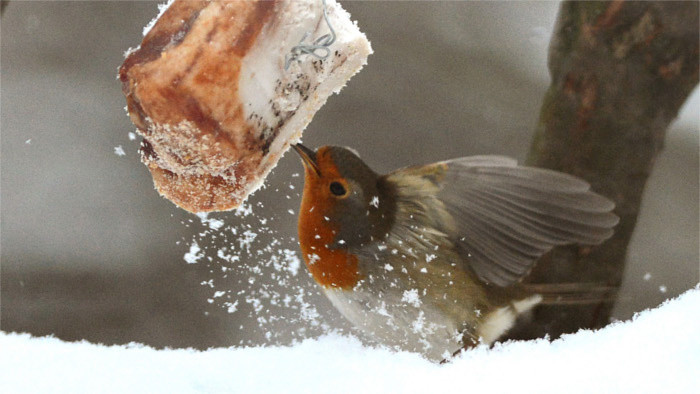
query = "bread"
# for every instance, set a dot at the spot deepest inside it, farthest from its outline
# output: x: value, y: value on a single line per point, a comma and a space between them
x: 209, y: 93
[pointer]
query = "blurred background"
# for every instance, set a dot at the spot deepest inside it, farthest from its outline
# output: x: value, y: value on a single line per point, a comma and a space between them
x: 90, y: 251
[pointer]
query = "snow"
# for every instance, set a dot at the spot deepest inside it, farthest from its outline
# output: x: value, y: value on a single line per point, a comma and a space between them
x: 313, y: 258
x: 411, y: 297
x: 129, y: 52
x: 194, y: 254
x: 659, y: 351
x: 119, y: 151
x: 161, y: 10
x: 212, y: 223
x: 255, y: 273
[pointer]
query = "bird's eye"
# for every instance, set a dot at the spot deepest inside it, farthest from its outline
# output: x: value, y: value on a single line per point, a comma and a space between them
x: 338, y: 189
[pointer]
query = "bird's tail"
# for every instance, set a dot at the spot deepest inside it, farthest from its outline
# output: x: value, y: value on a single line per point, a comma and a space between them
x: 573, y: 293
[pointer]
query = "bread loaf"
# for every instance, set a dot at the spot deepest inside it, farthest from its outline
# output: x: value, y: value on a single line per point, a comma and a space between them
x: 209, y: 93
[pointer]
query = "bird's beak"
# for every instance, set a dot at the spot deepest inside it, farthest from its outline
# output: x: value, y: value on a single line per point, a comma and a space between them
x: 308, y: 157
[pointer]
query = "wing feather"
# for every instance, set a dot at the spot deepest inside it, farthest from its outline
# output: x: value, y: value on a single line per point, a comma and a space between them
x: 505, y: 216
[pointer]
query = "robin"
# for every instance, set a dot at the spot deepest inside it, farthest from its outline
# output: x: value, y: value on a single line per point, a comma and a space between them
x: 429, y: 258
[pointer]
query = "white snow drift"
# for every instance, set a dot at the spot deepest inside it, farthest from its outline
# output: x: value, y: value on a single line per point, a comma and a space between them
x: 659, y: 351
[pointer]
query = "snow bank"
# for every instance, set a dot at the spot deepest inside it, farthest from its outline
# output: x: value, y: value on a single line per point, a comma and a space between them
x: 659, y: 351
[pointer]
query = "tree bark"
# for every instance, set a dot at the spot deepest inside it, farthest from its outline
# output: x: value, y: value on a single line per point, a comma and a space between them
x: 620, y: 73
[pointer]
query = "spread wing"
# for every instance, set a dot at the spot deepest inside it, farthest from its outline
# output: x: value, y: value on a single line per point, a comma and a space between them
x: 502, y: 217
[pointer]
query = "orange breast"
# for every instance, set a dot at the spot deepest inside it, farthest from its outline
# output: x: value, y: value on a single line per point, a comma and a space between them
x: 329, y: 267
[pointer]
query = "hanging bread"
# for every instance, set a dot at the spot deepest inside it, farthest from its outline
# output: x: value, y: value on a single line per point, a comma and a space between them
x: 220, y: 89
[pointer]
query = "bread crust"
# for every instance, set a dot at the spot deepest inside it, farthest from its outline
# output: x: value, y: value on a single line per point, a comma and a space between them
x: 208, y: 93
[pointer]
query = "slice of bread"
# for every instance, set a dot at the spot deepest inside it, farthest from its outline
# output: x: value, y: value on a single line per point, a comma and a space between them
x: 209, y: 92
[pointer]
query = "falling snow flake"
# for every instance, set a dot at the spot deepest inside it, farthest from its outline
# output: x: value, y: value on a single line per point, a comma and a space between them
x: 244, y: 210
x: 194, y: 254
x: 411, y: 297
x: 313, y: 258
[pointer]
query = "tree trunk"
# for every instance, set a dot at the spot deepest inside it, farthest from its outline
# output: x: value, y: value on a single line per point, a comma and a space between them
x: 620, y: 73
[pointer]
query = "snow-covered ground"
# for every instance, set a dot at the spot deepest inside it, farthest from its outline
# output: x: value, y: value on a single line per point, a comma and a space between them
x: 659, y: 351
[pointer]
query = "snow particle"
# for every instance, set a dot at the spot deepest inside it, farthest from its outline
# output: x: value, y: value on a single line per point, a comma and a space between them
x: 119, y: 151
x: 194, y: 254
x: 215, y: 224
x: 313, y: 258
x: 411, y: 297
x: 161, y: 10
x: 419, y: 323
x: 244, y: 210
x: 231, y: 306
x: 246, y: 239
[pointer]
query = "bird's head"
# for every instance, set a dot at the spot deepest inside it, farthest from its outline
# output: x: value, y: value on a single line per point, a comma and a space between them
x: 344, y: 201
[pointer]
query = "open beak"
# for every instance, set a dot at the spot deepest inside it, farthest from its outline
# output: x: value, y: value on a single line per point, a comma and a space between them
x: 308, y: 157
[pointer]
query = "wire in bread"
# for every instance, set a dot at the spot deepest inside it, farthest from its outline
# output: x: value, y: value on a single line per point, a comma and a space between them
x: 321, y: 44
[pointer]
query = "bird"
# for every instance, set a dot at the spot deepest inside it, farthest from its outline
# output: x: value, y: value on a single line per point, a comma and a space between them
x: 430, y: 258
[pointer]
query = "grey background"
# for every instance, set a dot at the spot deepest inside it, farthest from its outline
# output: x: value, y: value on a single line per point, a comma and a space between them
x: 89, y: 250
